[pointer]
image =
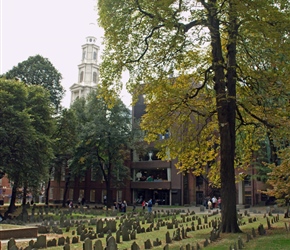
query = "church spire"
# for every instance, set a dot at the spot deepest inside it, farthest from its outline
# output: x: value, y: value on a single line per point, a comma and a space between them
x: 88, y: 75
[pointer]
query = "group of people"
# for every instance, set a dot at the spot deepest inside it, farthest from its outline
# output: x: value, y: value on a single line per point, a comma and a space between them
x: 211, y: 203
x: 121, y: 206
x: 149, y: 205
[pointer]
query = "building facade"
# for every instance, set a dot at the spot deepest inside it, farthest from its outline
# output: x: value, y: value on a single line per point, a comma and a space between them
x: 159, y: 180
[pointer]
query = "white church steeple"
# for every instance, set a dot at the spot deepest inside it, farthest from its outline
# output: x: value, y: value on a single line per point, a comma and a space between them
x: 88, y: 75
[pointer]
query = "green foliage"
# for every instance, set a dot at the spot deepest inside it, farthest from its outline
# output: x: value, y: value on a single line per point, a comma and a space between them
x: 37, y: 70
x: 213, y: 72
x: 25, y: 128
x: 103, y: 139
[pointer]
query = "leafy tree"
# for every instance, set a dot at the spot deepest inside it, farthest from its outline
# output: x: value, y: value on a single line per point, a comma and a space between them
x: 26, y: 125
x: 103, y: 141
x: 279, y: 179
x: 228, y: 71
x: 37, y: 70
x: 65, y: 140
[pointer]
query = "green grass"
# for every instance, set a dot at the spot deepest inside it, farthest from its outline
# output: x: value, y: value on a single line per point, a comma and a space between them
x: 276, y: 238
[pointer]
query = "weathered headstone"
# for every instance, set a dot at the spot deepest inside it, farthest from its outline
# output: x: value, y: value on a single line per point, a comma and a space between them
x: 147, y: 244
x: 87, y: 245
x: 111, y: 244
x: 135, y: 246
x: 98, y: 245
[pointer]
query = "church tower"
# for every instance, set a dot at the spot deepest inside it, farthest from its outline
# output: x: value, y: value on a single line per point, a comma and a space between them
x: 88, y: 75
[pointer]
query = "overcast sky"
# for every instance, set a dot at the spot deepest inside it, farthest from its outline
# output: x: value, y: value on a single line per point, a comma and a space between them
x: 54, y: 29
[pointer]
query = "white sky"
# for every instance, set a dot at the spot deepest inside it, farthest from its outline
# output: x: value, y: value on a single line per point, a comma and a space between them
x: 54, y: 29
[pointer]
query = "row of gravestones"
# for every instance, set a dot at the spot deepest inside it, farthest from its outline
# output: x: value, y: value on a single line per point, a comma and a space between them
x: 126, y: 234
x: 84, y: 233
x: 261, y: 231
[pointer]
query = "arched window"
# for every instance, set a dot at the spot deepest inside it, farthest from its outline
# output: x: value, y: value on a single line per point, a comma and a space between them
x: 95, y: 55
x: 82, y: 76
x: 95, y: 77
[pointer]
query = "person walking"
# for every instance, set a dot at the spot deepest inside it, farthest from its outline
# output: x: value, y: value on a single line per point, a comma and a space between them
x: 143, y: 204
x: 150, y: 206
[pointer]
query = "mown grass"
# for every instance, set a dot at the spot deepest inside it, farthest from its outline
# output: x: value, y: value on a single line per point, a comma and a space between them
x: 276, y: 238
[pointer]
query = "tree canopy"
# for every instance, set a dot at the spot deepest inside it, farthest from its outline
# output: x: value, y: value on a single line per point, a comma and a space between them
x: 37, y: 70
x: 207, y: 69
x: 104, y: 139
x: 26, y: 125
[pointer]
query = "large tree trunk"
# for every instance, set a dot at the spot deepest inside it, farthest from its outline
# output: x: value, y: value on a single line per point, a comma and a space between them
x: 226, y: 108
x: 64, y: 200
x: 24, y: 194
x: 47, y: 192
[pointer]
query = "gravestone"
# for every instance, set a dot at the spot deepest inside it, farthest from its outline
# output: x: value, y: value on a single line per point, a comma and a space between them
x: 87, y: 245
x: 100, y: 226
x: 261, y: 230
x: 11, y: 243
x: 166, y: 247
x: 98, y: 245
x: 134, y: 246
x: 205, y: 243
x: 66, y: 247
x: 167, y: 238
x: 157, y: 242
x: 147, y: 244
x: 111, y: 244
x: 118, y: 236
x: 61, y: 241
x: 253, y: 233
x: 51, y: 243
x: 75, y: 240
x: 125, y: 234
x: 40, y: 242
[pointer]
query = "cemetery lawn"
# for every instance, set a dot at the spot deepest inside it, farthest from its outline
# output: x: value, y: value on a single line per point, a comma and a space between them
x: 277, y: 237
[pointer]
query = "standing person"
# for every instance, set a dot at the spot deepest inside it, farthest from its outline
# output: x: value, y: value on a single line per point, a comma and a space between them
x: 150, y: 206
x: 124, y: 204
x: 220, y: 202
x: 209, y: 204
x: 214, y: 202
x: 79, y: 200
x: 143, y: 204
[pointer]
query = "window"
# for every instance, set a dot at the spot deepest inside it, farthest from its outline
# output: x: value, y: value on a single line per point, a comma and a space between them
x: 61, y: 193
x: 84, y: 54
x: 52, y: 174
x: 92, y: 196
x: 71, y: 194
x: 95, y: 77
x: 82, y: 192
x: 93, y: 174
x: 95, y: 55
x: 63, y: 173
x: 50, y: 196
x: 247, y: 181
x: 82, y: 76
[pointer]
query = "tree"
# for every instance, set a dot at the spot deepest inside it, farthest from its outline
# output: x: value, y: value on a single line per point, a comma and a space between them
x: 37, y: 70
x: 65, y: 140
x: 26, y: 125
x: 225, y: 60
x: 104, y: 138
x: 279, y: 179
